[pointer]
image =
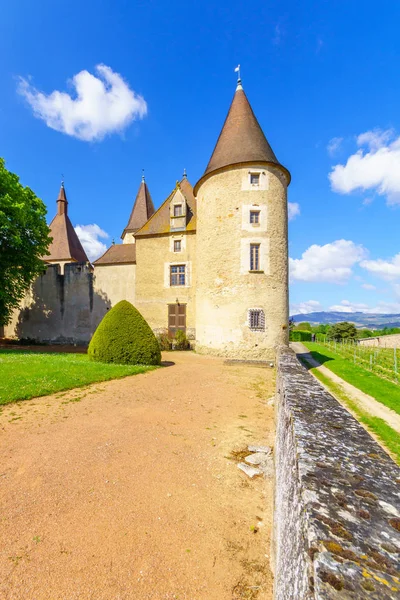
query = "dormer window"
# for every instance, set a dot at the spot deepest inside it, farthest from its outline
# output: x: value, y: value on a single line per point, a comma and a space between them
x: 255, y: 178
x: 178, y: 210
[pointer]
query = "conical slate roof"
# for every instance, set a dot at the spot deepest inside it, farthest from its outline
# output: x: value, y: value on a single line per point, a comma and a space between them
x: 65, y: 245
x: 141, y: 211
x: 241, y: 139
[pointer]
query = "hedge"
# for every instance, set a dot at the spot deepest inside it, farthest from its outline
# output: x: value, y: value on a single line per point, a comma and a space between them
x: 300, y: 336
x: 124, y: 337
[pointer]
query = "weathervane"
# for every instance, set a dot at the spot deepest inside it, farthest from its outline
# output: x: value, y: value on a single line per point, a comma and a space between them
x: 237, y: 70
x: 143, y: 175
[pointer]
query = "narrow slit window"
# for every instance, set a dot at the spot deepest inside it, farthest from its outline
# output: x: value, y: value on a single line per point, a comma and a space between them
x: 177, y: 245
x: 254, y: 178
x: 254, y: 257
x: 177, y: 275
x: 177, y: 210
x: 256, y: 319
x: 254, y: 217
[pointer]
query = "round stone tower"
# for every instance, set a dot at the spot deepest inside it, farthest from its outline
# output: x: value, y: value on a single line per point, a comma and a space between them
x: 242, y: 246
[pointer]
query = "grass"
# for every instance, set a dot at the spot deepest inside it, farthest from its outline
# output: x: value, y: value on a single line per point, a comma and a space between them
x: 382, y: 390
x: 389, y: 438
x: 25, y: 375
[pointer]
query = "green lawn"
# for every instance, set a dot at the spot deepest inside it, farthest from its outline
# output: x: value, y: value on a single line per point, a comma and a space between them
x: 384, y: 391
x: 24, y: 375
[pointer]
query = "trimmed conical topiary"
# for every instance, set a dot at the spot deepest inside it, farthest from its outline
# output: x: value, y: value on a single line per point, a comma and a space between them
x: 124, y: 337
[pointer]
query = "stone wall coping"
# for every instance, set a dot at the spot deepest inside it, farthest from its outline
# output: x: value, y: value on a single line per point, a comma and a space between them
x: 337, y: 501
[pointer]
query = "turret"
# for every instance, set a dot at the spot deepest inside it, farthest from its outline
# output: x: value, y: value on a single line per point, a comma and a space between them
x: 142, y: 210
x: 242, y: 261
x: 66, y: 246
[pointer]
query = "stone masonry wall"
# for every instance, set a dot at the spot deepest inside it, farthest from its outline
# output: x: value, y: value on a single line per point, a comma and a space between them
x: 337, y: 498
x: 383, y: 341
x: 60, y: 308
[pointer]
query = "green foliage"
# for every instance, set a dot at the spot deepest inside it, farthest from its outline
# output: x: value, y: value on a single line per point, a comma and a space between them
x: 24, y: 238
x: 25, y: 375
x: 299, y: 336
x: 304, y: 326
x: 364, y: 333
x: 164, y: 341
x: 125, y: 338
x: 180, y: 341
x: 342, y: 331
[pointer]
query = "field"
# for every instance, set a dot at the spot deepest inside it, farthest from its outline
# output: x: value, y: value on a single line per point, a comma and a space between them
x: 25, y: 375
x: 386, y: 392
x: 381, y: 361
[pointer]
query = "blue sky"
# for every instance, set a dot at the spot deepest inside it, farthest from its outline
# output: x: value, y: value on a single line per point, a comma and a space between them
x: 323, y: 79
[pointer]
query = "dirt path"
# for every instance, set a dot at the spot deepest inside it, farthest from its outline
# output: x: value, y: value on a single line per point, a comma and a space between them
x: 364, y: 401
x: 126, y: 490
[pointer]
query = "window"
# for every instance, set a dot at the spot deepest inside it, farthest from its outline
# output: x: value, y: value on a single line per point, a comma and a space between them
x: 254, y: 178
x: 177, y: 275
x: 177, y: 245
x: 177, y: 210
x: 256, y: 319
x: 254, y: 217
x: 254, y: 257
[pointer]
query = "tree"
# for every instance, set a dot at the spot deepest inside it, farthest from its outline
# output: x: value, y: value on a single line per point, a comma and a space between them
x: 124, y: 337
x: 24, y: 238
x: 304, y: 326
x: 343, y: 331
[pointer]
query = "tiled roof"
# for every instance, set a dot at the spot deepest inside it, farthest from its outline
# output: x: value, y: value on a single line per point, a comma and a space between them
x: 241, y: 139
x: 118, y: 254
x: 65, y: 244
x: 160, y: 221
x: 142, y: 209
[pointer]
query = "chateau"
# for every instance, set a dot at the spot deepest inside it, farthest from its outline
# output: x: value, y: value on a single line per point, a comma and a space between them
x: 211, y: 261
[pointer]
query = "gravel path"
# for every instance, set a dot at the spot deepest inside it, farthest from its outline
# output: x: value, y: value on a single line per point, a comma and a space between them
x: 364, y: 401
x: 126, y: 490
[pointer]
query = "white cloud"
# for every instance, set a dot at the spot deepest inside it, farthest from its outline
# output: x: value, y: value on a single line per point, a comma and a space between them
x: 303, y: 308
x: 102, y: 105
x: 89, y: 236
x: 331, y: 263
x: 368, y: 286
x: 386, y: 269
x: 334, y: 145
x: 293, y: 210
x: 349, y: 307
x: 374, y: 167
x: 381, y: 308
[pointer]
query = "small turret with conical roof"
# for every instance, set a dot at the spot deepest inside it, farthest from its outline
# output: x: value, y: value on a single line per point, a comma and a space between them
x: 65, y: 247
x: 142, y: 210
x: 241, y: 245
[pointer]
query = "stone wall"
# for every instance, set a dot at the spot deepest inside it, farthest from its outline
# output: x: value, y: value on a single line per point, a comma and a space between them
x: 337, y: 508
x: 383, y: 341
x: 154, y: 255
x: 60, y: 308
x: 116, y: 282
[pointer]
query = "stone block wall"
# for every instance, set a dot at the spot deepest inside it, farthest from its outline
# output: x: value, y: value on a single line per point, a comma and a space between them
x: 60, y: 308
x: 337, y: 498
x: 383, y: 341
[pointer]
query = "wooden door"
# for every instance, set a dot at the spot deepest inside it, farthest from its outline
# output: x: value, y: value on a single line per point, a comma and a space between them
x: 176, y: 318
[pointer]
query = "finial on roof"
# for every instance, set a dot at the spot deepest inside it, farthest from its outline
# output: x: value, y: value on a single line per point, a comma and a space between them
x: 113, y: 242
x: 62, y: 180
x: 184, y: 174
x: 239, y: 81
x: 143, y: 179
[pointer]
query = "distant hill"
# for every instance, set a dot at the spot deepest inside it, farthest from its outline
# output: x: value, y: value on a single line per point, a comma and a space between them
x: 360, y: 319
